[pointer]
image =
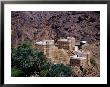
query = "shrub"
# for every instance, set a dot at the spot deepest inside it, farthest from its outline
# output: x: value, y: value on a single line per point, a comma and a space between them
x: 59, y: 70
x: 16, y: 72
x: 25, y: 58
x: 28, y: 60
x: 93, y: 62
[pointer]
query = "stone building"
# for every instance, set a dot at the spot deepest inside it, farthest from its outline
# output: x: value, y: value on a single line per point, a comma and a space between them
x: 68, y: 43
x: 52, y: 52
x: 46, y: 46
x: 80, y: 59
x: 64, y: 51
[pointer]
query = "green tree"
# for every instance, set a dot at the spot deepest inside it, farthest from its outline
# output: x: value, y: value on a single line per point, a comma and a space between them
x: 45, y: 69
x: 59, y: 70
x: 16, y: 72
x: 27, y: 59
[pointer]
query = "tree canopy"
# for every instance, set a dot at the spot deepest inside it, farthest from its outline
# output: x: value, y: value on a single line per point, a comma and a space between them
x: 26, y: 61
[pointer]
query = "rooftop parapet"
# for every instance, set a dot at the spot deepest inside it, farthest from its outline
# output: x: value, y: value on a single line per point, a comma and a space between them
x: 68, y: 38
x: 44, y: 42
x: 65, y: 40
x: 76, y: 57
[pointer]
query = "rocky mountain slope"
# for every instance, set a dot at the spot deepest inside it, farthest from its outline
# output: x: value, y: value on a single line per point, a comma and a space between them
x: 39, y: 25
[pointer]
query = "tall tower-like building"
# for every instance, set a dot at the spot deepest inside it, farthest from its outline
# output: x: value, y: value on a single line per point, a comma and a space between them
x: 47, y: 48
x: 71, y: 41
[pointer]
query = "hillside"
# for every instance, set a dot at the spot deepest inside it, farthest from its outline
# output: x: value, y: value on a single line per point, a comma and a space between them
x: 39, y: 25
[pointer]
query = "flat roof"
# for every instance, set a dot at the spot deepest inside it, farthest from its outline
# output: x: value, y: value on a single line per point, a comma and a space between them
x: 50, y: 42
x: 63, y: 40
x: 78, y: 58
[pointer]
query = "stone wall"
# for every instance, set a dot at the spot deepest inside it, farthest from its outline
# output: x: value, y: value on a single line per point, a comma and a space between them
x: 62, y: 51
x: 67, y: 44
x: 83, y: 60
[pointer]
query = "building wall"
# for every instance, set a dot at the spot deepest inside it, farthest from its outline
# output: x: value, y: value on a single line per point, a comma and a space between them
x: 61, y: 56
x: 71, y: 41
x: 88, y: 59
x: 78, y: 63
x: 83, y: 63
x: 76, y: 48
x: 69, y: 44
x: 47, y: 48
x: 52, y: 51
x: 39, y: 47
x: 62, y: 44
x: 75, y: 62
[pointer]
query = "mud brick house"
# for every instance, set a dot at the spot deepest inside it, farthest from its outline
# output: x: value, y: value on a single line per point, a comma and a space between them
x: 64, y: 51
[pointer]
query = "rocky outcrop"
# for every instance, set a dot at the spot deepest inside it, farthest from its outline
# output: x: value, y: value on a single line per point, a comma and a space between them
x: 39, y: 25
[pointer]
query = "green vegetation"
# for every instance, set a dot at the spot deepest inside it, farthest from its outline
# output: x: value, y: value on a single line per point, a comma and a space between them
x: 26, y: 61
x: 59, y: 70
x: 16, y: 72
x: 93, y: 62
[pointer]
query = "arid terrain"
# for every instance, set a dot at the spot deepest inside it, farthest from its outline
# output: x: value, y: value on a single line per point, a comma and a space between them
x: 51, y: 25
x: 40, y: 25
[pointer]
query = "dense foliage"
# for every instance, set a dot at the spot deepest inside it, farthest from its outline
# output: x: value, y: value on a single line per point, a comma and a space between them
x: 16, y: 72
x: 59, y: 70
x: 26, y: 61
